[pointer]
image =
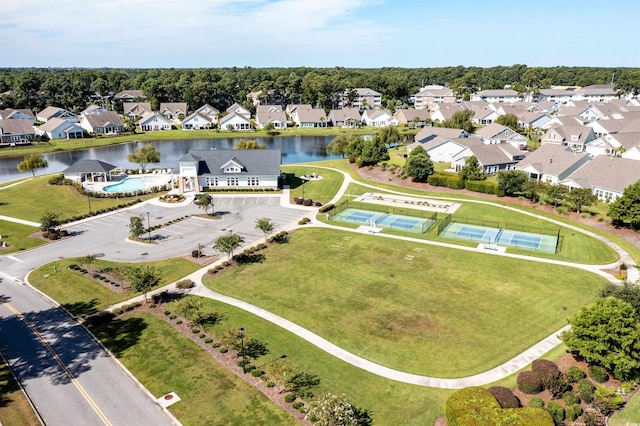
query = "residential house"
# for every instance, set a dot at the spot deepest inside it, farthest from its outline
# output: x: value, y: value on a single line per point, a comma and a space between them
x: 135, y: 110
x: 12, y: 114
x: 238, y: 109
x: 314, y: 117
x: 129, y: 95
x: 56, y: 112
x: 430, y: 132
x: 492, y: 158
x: 270, y: 97
x: 567, y: 120
x: 433, y: 94
x: 108, y: 123
x: 153, y: 122
x: 235, y: 121
x: 229, y: 168
x: 345, y: 117
x: 174, y: 111
x: 292, y: 110
x: 598, y: 93
x: 588, y: 112
x: 483, y: 113
x: 497, y: 96
x: 93, y: 109
x: 443, y: 149
x: 378, y: 118
x: 606, y: 177
x: 361, y: 97
x: 575, y: 137
x: 58, y: 128
x: 552, y: 163
x: 496, y: 133
x: 559, y: 96
x: 271, y: 114
x: 534, y: 120
x: 443, y: 112
x: 544, y: 106
x: 412, y: 117
x: 16, y: 131
x: 204, y: 117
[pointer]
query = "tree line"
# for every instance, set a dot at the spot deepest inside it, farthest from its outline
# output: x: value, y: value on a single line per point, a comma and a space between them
x: 74, y: 89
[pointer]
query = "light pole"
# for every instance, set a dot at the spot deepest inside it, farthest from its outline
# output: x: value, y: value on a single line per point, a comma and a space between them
x: 244, y: 359
x: 89, y: 199
x: 149, y: 225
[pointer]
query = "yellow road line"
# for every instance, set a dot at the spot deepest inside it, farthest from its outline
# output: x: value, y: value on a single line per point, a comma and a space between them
x: 55, y: 356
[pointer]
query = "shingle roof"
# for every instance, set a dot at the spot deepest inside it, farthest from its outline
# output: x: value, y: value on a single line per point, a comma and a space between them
x: 132, y: 93
x: 9, y: 112
x: 338, y: 115
x: 174, y: 107
x: 129, y: 106
x: 258, y: 162
x: 102, y: 118
x: 608, y: 173
x: 49, y: 111
x: 430, y: 132
x: 54, y: 123
x: 491, y: 130
x: 551, y: 159
x: 498, y: 92
x: 315, y: 115
x: 18, y: 126
x: 489, y: 155
x: 89, y: 166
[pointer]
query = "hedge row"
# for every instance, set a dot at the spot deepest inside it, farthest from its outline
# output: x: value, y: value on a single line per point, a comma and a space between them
x: 480, y: 186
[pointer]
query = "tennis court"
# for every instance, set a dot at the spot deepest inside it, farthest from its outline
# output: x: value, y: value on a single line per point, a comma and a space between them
x: 384, y: 220
x: 485, y: 234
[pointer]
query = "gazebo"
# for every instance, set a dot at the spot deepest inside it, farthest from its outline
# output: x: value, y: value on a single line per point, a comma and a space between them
x: 89, y: 171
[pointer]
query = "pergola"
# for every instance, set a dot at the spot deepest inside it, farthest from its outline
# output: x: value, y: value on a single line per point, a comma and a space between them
x: 89, y: 170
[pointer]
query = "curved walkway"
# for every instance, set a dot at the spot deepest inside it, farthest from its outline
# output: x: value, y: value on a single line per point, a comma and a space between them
x: 510, y: 367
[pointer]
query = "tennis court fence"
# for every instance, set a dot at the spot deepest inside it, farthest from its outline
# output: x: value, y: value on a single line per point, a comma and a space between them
x: 429, y: 218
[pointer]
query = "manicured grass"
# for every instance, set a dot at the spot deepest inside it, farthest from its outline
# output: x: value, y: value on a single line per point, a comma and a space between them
x: 32, y: 198
x: 164, y: 361
x: 14, y: 406
x: 574, y: 246
x: 446, y: 313
x: 630, y: 414
x: 391, y: 402
x: 321, y: 190
x: 15, y: 235
x: 80, y: 294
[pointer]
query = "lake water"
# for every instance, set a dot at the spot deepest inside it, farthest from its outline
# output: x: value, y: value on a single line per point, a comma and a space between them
x: 295, y: 149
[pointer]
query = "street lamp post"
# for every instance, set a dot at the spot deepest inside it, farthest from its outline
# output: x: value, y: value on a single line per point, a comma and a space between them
x: 149, y: 225
x: 89, y: 199
x: 244, y: 359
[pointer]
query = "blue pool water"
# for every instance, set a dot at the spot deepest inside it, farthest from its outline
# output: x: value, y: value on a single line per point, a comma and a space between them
x: 132, y: 184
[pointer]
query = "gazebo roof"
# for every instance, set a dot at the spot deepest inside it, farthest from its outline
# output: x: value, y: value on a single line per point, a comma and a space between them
x: 89, y: 166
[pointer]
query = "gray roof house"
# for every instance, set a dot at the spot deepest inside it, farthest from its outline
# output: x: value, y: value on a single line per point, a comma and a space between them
x: 552, y: 163
x: 492, y: 158
x: 55, y: 112
x: 58, y: 128
x: 173, y: 110
x: 129, y: 95
x: 89, y: 170
x: 12, y: 114
x: 575, y: 137
x: 273, y: 114
x: 229, y: 168
x: 104, y: 123
x: 16, y: 131
x: 345, y: 117
x: 606, y: 176
x: 496, y: 133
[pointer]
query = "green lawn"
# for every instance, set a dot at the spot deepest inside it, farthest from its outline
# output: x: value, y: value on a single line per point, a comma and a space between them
x: 32, y: 198
x: 630, y: 414
x: 16, y: 235
x: 165, y: 361
x: 80, y: 294
x: 322, y: 190
x: 14, y: 406
x: 446, y: 313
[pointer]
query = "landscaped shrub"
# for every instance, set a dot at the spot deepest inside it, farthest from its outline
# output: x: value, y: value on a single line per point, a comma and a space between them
x: 195, y: 330
x: 607, y: 400
x: 271, y: 384
x: 326, y: 208
x: 536, y: 402
x: 215, y: 345
x: 224, y: 350
x: 598, y: 373
x: 289, y: 398
x: 556, y: 385
x: 184, y: 284
x: 280, y: 238
x: 586, y: 390
x: 297, y: 404
x: 529, y: 382
x: 570, y: 397
x: 455, y: 183
x: 257, y: 373
x: 504, y: 396
x: 172, y: 316
x: 304, y: 221
x: 201, y: 335
x: 557, y: 412
x: 575, y: 374
x: 179, y: 321
x: 545, y: 369
x: 573, y: 411
x: 208, y: 340
x: 483, y: 186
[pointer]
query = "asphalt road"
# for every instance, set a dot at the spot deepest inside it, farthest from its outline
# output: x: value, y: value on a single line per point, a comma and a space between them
x: 65, y: 372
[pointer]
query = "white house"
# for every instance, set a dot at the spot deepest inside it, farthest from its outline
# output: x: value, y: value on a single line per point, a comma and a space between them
x: 345, y: 117
x: 56, y: 112
x: 102, y: 123
x: 496, y: 133
x: 492, y: 158
x: 229, y: 168
x: 433, y: 94
x: 235, y: 121
x: 497, y: 96
x: 271, y: 114
x: 314, y: 117
x: 204, y: 117
x: 22, y: 114
x: 607, y: 177
x: 443, y: 149
x: 552, y: 163
x: 575, y: 137
x: 153, y: 122
x: 174, y: 110
x: 378, y: 118
x: 361, y: 97
x: 58, y: 128
x: 238, y: 109
x: 134, y: 110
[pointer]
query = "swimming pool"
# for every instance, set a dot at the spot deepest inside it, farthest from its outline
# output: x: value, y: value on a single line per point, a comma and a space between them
x: 384, y: 220
x: 133, y: 184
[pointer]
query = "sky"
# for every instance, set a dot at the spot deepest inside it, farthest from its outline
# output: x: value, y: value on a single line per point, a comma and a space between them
x: 318, y: 33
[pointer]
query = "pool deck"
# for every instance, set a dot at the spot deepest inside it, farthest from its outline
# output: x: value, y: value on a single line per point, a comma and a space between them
x: 417, y: 203
x: 97, y: 186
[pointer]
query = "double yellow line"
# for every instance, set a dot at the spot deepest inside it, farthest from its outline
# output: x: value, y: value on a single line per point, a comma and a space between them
x: 55, y: 356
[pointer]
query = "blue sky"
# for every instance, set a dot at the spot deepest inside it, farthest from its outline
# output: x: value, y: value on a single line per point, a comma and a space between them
x: 318, y: 33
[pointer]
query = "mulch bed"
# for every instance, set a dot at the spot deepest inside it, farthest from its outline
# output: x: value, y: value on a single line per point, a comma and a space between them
x: 228, y: 360
x: 120, y: 286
